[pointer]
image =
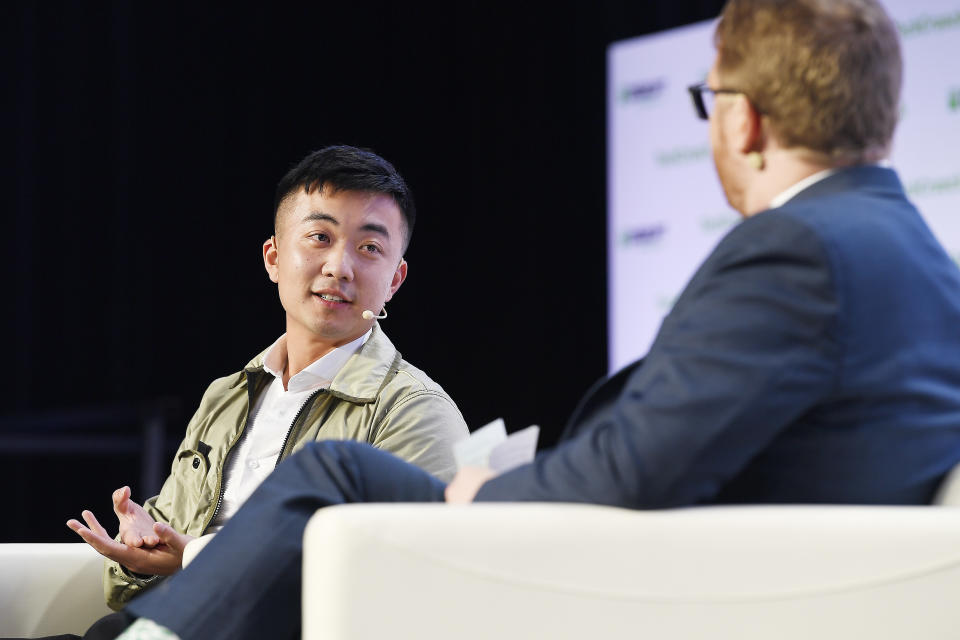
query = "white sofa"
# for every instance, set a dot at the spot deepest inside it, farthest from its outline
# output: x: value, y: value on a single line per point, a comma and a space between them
x: 573, y: 571
x: 47, y: 589
x: 570, y: 571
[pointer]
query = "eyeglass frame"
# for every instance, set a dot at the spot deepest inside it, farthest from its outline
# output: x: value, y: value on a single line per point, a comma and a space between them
x: 696, y: 93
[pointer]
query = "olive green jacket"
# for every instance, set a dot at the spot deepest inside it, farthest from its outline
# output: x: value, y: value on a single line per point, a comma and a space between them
x: 377, y: 397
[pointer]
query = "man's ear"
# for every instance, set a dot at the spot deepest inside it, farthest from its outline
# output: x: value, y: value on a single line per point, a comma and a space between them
x: 271, y: 259
x: 398, y: 277
x: 747, y: 125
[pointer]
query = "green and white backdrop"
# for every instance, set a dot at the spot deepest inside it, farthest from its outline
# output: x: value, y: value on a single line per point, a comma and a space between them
x: 666, y: 210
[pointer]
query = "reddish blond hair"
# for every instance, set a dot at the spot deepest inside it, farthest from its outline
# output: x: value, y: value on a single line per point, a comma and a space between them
x: 825, y: 73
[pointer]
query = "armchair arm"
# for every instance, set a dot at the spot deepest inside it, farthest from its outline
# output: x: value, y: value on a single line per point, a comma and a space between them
x: 49, y: 589
x: 575, y: 571
x: 194, y: 547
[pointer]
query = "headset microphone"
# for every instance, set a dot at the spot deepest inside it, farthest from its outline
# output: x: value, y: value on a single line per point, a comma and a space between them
x: 368, y: 315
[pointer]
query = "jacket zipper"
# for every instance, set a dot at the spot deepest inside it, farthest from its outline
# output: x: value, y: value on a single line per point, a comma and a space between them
x: 286, y: 439
x: 252, y: 382
x: 296, y: 419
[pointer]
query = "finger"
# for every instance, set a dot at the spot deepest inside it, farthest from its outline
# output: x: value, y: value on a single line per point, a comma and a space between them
x: 131, y: 539
x: 91, y: 538
x: 94, y: 524
x: 104, y: 545
x: 88, y: 536
x: 75, y: 525
x: 120, y: 496
x: 171, y: 537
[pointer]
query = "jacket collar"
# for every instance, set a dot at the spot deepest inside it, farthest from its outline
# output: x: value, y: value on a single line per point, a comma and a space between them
x: 362, y: 377
x: 869, y: 177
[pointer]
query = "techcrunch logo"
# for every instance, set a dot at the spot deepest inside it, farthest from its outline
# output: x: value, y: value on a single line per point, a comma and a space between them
x: 926, y: 24
x: 642, y: 235
x: 718, y: 222
x: 642, y: 92
x: 682, y: 155
x: 933, y: 186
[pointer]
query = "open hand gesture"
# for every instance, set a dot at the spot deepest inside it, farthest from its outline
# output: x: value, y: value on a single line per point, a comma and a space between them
x: 136, y: 525
x: 147, y: 547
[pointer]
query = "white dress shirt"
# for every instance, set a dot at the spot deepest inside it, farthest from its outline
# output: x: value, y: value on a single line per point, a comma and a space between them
x: 270, y: 419
x: 784, y: 196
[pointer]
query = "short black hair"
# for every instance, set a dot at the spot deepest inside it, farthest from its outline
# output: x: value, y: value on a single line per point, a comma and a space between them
x: 345, y: 168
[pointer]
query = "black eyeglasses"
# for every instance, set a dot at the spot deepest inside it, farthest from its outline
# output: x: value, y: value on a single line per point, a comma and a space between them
x: 703, y: 98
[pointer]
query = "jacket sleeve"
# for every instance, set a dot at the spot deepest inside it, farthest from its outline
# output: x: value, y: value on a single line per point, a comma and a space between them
x: 119, y: 584
x: 421, y: 428
x: 750, y: 345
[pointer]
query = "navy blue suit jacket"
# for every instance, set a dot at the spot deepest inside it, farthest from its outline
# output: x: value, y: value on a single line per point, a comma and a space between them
x: 813, y: 357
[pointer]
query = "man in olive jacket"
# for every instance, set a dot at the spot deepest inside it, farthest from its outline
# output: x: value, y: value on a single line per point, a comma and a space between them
x: 343, y: 219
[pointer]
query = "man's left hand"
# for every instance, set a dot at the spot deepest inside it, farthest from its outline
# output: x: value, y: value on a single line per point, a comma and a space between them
x: 466, y: 483
x: 163, y: 559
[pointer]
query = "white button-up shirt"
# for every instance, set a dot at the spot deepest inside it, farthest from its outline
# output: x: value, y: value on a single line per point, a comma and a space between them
x: 270, y: 419
x: 787, y: 194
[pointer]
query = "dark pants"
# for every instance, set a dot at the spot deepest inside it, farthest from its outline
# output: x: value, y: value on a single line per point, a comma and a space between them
x: 106, y: 628
x: 246, y: 582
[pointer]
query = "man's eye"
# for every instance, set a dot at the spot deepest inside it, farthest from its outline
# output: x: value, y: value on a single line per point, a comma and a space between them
x: 371, y: 248
x: 319, y: 237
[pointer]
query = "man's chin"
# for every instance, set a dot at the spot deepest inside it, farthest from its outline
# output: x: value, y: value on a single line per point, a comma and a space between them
x: 339, y: 335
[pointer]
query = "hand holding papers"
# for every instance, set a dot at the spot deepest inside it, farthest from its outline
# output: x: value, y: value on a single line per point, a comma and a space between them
x: 490, y: 446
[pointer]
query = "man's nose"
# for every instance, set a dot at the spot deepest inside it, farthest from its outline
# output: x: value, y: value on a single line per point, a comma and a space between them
x: 339, y: 263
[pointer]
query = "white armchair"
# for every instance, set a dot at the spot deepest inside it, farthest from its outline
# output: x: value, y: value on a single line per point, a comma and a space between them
x: 574, y: 571
x: 571, y: 571
x: 48, y: 589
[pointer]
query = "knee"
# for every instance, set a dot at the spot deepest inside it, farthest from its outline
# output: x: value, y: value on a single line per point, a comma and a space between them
x: 332, y: 449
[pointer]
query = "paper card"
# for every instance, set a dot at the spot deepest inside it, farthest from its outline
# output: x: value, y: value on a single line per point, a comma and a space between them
x: 475, y: 450
x: 518, y: 449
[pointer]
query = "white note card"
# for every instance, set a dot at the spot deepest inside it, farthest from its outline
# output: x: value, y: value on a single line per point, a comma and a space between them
x: 519, y: 448
x: 490, y: 446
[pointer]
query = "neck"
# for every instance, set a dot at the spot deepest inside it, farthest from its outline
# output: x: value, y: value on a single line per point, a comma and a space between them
x: 303, y: 349
x: 783, y: 168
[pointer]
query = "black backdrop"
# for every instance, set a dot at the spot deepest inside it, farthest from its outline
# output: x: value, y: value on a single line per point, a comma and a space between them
x: 144, y: 141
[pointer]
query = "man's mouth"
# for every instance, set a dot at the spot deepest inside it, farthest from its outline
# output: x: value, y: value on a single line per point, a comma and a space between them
x: 331, y: 297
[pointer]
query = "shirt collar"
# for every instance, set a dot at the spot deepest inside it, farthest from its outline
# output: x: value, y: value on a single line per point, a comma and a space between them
x: 319, y: 373
x: 784, y: 196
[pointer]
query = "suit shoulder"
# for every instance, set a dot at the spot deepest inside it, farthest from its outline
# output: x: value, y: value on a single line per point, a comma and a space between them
x: 776, y: 232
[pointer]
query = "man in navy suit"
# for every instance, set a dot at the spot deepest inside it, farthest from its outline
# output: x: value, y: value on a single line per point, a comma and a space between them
x: 814, y: 357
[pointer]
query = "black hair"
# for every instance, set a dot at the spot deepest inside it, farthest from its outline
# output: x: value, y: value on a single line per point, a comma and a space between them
x: 345, y: 168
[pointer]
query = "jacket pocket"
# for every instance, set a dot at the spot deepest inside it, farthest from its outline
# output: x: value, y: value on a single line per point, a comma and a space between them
x: 190, y: 473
